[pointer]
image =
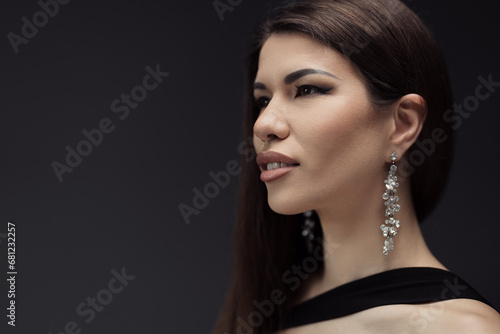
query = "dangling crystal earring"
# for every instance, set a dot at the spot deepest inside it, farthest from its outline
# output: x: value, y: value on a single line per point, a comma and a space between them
x: 308, y: 230
x: 391, y: 226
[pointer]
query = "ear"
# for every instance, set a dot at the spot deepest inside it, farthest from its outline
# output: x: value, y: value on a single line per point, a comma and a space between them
x: 409, y: 115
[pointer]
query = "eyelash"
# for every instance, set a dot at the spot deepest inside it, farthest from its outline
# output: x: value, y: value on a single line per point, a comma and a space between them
x: 320, y: 91
x: 263, y: 101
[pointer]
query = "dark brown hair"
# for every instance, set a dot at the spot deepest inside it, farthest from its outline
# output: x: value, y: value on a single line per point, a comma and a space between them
x: 396, y: 55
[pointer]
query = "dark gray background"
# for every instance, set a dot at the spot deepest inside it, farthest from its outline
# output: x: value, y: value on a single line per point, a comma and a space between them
x: 119, y: 207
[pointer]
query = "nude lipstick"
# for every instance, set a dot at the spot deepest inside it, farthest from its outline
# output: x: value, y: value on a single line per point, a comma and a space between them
x: 274, y: 165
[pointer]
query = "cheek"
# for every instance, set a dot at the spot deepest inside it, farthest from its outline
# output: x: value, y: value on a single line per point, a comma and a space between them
x: 333, y: 126
x: 342, y: 137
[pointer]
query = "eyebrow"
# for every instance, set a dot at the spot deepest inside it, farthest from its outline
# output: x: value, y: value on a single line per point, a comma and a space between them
x: 295, y: 76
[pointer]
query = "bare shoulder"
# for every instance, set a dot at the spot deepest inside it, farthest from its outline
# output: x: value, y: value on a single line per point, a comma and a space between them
x: 465, y: 316
x: 457, y: 316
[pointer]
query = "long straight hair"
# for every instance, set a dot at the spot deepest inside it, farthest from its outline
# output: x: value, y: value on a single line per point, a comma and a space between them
x: 396, y: 55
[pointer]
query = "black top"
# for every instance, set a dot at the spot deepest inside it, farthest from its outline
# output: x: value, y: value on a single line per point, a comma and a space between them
x: 398, y: 286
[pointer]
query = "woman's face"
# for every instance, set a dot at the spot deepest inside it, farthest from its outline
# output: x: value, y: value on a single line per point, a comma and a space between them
x: 316, y: 111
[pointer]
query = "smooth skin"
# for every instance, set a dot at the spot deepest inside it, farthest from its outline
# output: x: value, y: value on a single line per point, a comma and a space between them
x: 315, y: 109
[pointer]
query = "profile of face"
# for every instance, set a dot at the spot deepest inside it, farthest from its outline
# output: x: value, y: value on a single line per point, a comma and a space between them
x: 315, y: 110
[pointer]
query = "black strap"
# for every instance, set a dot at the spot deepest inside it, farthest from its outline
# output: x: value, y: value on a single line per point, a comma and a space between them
x: 398, y: 286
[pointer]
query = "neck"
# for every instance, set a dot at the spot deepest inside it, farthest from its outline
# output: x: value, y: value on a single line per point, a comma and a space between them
x: 353, y: 241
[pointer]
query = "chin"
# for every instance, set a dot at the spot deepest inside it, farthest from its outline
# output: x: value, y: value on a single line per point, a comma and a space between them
x: 286, y: 205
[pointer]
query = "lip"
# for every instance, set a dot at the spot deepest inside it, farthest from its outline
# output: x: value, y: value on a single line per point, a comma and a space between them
x: 270, y: 175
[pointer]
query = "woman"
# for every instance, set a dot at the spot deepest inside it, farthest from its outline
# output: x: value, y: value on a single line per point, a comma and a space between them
x: 328, y: 240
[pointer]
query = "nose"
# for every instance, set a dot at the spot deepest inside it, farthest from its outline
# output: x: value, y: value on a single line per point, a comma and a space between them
x: 271, y: 123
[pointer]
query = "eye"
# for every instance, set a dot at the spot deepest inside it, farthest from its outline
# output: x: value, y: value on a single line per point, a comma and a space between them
x: 262, y: 102
x: 310, y: 90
